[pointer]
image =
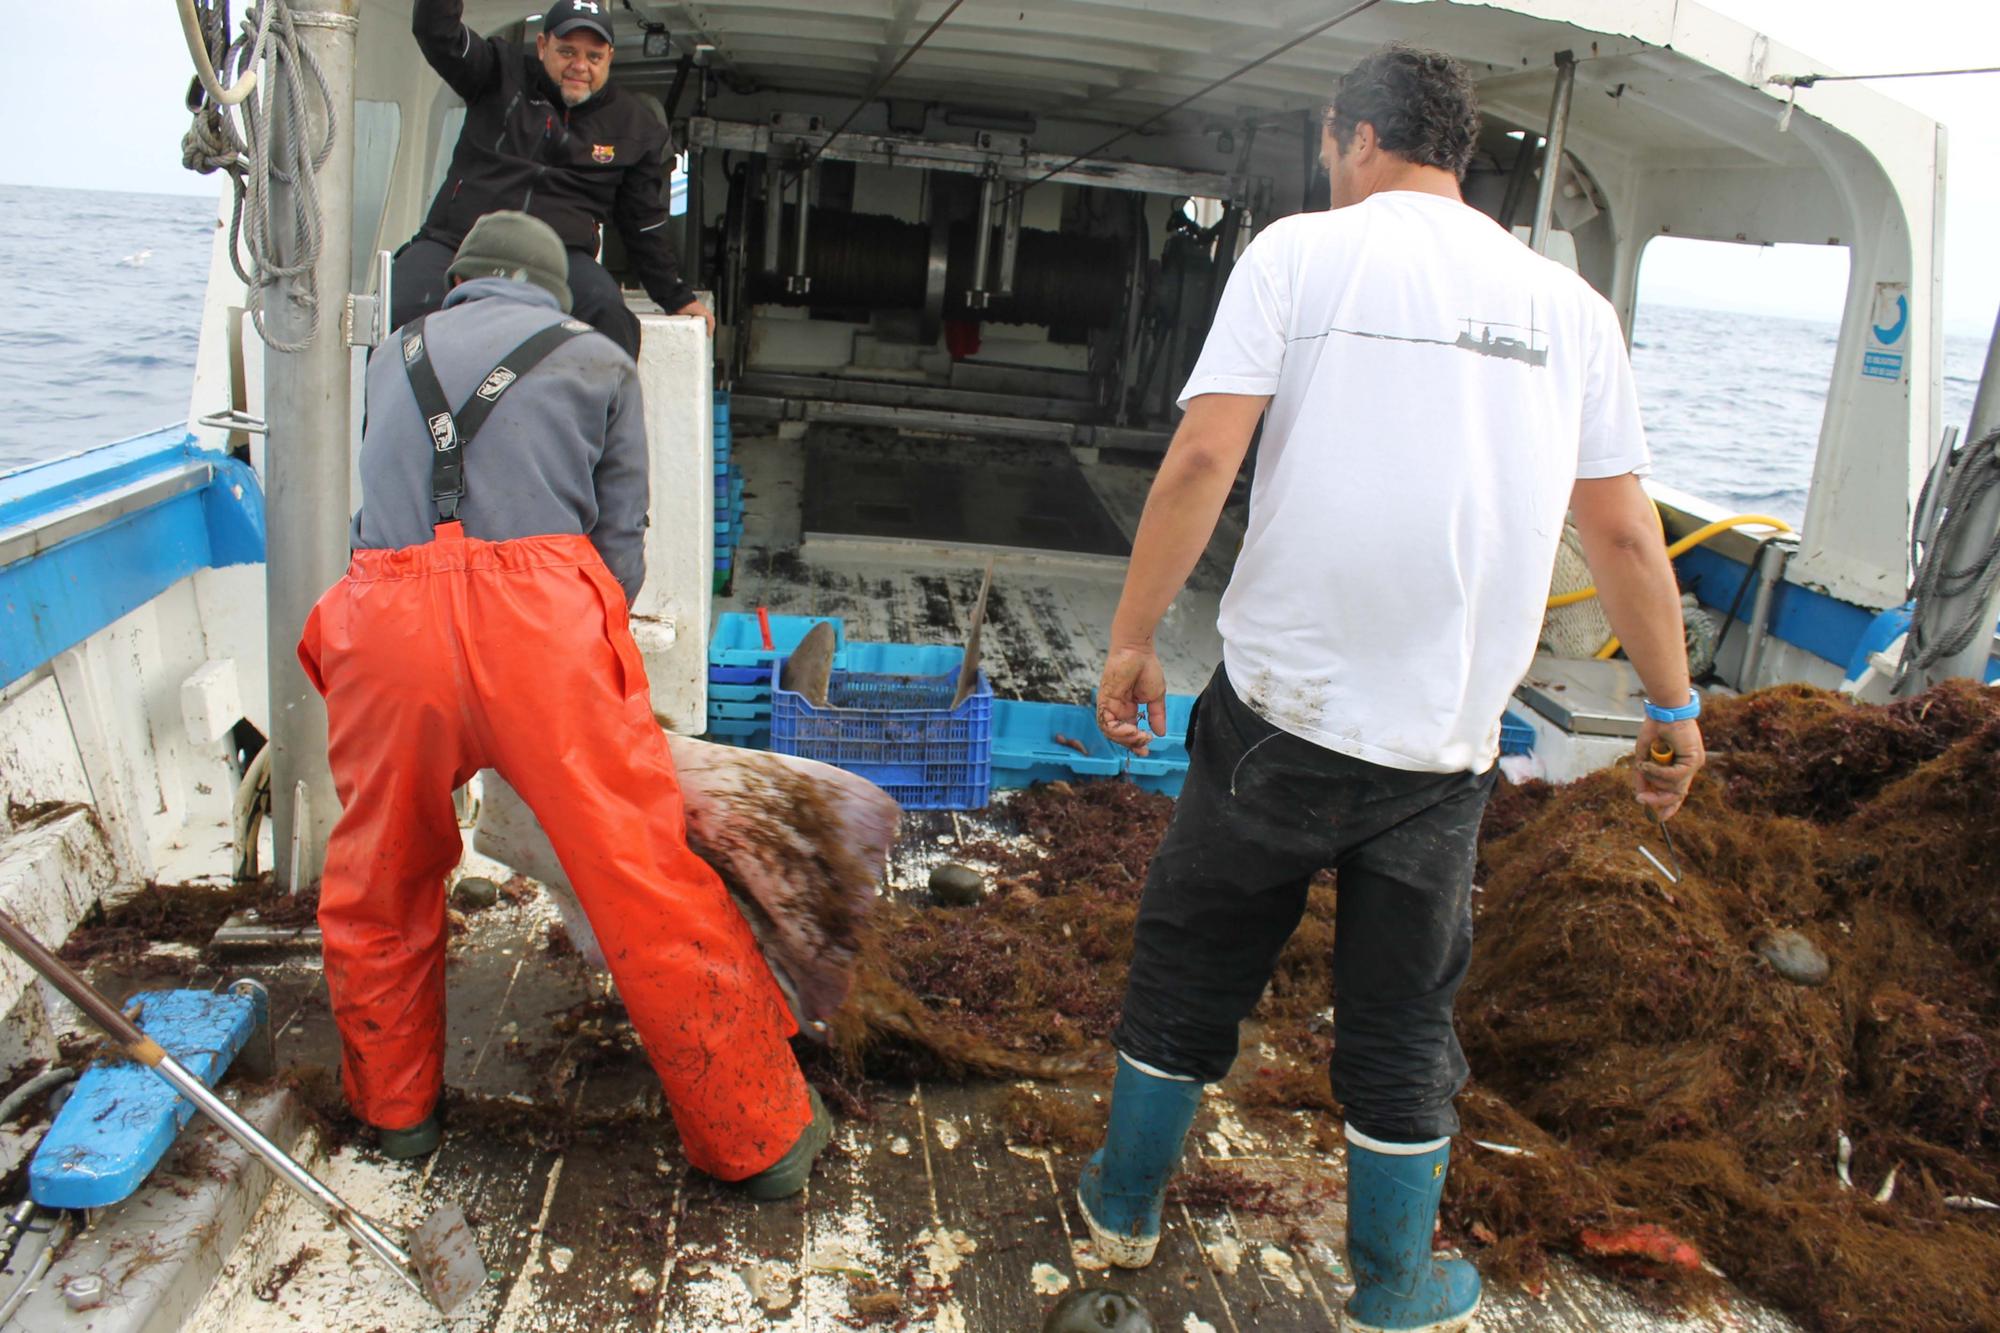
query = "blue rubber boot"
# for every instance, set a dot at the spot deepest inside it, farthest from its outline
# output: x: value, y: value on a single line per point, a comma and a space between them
x: 1392, y: 1204
x: 1125, y: 1181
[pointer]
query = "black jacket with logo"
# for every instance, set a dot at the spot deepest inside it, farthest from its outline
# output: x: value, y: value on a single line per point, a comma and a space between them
x: 575, y: 168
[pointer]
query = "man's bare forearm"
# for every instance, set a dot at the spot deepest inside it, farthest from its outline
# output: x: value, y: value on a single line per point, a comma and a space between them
x: 1635, y: 582
x: 1182, y: 509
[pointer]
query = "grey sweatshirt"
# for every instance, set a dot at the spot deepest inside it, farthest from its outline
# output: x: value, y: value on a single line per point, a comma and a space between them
x: 563, y: 452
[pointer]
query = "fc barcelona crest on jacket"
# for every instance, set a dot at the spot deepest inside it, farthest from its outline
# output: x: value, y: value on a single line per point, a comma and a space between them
x: 602, y: 152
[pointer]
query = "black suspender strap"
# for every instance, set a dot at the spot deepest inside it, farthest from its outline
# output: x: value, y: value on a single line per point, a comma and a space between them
x: 447, y: 455
x: 452, y: 431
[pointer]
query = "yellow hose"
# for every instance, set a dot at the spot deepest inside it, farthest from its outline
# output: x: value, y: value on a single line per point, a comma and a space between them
x: 1681, y: 547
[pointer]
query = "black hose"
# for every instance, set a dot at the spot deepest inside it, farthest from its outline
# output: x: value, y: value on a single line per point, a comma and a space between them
x: 1736, y: 602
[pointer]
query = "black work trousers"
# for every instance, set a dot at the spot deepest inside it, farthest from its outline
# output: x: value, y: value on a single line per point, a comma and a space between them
x: 419, y: 285
x: 1261, y: 813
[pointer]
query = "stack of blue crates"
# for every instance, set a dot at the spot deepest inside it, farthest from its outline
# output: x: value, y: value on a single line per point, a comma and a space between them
x: 739, y: 672
x: 728, y: 497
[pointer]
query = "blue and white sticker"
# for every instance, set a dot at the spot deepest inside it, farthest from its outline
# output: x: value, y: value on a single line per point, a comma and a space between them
x: 1888, y: 333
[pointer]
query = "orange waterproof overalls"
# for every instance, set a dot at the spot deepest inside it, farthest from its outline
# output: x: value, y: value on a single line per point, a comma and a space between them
x: 442, y: 659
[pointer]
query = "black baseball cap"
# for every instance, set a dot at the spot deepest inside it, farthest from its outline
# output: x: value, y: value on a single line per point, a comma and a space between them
x: 566, y: 16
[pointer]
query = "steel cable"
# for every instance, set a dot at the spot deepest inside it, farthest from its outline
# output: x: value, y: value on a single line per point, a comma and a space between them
x: 1975, y: 472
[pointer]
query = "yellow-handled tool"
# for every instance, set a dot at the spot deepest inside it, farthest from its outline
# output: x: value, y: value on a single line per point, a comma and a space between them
x: 1663, y: 754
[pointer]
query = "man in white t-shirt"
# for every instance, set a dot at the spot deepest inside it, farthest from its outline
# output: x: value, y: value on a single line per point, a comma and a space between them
x: 1435, y: 395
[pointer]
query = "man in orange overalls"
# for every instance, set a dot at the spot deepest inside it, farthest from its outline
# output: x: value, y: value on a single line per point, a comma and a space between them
x: 482, y: 623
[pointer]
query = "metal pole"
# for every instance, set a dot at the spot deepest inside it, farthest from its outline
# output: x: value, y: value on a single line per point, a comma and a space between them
x: 800, y: 282
x: 691, y: 219
x: 1971, y: 533
x: 306, y: 462
x: 1552, y: 153
x: 1771, y: 562
x: 1225, y: 259
x: 1135, y: 292
x: 1518, y: 176
x: 982, y: 244
x: 1986, y: 402
x: 774, y: 213
x: 1010, y: 245
x: 691, y: 238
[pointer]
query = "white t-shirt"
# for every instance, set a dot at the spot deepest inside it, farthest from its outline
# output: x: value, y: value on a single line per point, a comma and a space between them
x: 1437, y: 389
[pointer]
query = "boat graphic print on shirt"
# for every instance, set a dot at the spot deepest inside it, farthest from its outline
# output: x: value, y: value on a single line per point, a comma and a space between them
x: 1485, y: 337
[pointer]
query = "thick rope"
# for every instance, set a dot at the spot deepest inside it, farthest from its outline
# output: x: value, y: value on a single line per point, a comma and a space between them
x: 1975, y: 472
x: 255, y: 160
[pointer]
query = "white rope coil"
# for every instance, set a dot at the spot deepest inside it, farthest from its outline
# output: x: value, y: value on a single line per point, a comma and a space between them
x: 256, y: 159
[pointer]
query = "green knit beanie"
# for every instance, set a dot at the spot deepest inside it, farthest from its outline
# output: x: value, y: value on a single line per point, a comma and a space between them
x: 514, y: 245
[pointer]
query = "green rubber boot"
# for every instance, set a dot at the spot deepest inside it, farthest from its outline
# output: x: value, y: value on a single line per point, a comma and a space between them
x: 788, y: 1175
x: 419, y: 1140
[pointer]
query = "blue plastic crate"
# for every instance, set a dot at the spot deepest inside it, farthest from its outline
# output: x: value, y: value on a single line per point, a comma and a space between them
x: 743, y: 735
x: 896, y: 729
x: 898, y: 659
x: 737, y: 641
x: 1025, y: 749
x: 730, y: 691
x: 729, y: 710
x: 1516, y: 736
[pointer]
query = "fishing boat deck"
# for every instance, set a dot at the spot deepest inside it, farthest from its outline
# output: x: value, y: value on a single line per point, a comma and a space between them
x: 927, y: 1215
x: 932, y: 1212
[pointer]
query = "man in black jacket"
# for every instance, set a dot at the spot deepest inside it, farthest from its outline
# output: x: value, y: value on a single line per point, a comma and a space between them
x: 546, y: 134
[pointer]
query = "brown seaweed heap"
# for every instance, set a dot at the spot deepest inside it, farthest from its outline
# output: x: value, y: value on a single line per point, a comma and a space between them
x: 1628, y: 1033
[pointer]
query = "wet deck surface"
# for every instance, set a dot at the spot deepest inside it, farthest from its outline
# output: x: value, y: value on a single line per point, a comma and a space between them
x: 1049, y: 618
x: 925, y: 1216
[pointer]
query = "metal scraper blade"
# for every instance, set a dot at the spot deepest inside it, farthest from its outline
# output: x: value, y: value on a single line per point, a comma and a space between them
x: 445, y: 1255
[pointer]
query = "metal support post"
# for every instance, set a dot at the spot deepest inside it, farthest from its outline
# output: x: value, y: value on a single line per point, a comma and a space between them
x: 774, y: 213
x: 1986, y: 401
x: 1965, y: 541
x: 1518, y: 175
x: 982, y: 249
x: 306, y: 397
x: 1771, y: 562
x: 1135, y: 295
x: 1552, y: 153
x: 1010, y: 243
x: 1225, y: 257
x: 799, y: 282
x: 691, y: 221
x: 691, y: 238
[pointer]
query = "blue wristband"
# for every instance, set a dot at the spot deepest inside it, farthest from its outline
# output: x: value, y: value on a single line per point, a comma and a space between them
x: 1685, y: 713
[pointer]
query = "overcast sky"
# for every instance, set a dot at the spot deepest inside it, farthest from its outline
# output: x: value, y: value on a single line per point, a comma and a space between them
x: 115, y: 123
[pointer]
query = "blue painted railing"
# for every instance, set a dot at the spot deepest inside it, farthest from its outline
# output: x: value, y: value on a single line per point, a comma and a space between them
x: 115, y: 548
